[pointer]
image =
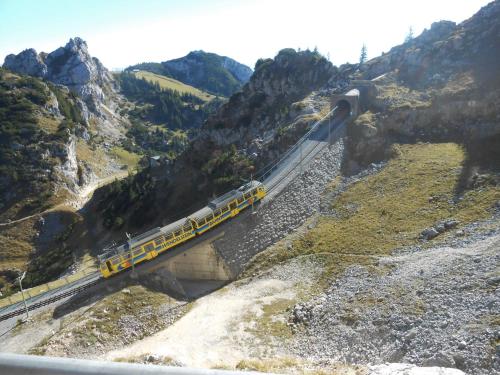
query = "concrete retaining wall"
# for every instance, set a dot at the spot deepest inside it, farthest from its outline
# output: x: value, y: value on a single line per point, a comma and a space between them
x: 200, y: 262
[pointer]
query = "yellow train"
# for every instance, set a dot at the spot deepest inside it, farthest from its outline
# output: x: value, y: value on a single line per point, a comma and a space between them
x: 156, y: 241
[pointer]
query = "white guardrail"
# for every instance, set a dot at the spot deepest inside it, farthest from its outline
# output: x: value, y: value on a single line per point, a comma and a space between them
x: 19, y: 364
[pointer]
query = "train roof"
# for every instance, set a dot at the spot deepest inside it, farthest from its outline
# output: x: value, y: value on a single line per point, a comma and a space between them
x: 200, y: 214
x: 223, y: 200
x: 250, y: 185
x: 233, y: 194
x: 172, y: 227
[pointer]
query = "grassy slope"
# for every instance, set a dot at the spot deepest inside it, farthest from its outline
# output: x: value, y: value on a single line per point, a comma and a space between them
x: 389, y: 209
x: 172, y: 84
x: 130, y: 159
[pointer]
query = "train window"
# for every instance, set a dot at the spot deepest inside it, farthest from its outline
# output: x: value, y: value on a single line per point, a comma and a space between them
x: 254, y: 191
x: 149, y: 247
x: 116, y: 261
x: 137, y: 252
x: 218, y: 212
x: 168, y: 236
x: 232, y: 206
x: 187, y: 227
x: 225, y: 209
x: 159, y: 241
x: 201, y: 222
x: 178, y: 233
x: 240, y: 200
x: 209, y: 217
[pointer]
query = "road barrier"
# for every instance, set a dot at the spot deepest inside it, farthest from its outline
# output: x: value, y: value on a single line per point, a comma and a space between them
x: 19, y: 364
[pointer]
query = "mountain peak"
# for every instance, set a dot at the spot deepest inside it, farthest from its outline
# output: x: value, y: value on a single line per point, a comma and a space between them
x: 70, y: 65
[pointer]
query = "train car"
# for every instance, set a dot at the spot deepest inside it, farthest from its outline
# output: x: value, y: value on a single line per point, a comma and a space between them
x: 156, y: 241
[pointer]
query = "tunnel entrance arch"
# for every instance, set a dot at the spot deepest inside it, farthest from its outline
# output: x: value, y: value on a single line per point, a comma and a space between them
x: 347, y: 103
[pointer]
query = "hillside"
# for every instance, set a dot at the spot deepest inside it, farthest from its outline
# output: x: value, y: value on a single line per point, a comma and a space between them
x: 218, y: 75
x: 162, y: 117
x: 60, y: 138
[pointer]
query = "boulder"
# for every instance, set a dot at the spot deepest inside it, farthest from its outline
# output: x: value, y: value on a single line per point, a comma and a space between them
x: 429, y: 233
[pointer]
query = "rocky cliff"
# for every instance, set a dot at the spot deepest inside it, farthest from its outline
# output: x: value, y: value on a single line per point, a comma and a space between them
x: 441, y: 86
x: 58, y: 123
x: 71, y: 66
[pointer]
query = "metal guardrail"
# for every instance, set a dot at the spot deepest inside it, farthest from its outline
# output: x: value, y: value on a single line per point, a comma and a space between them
x: 19, y: 364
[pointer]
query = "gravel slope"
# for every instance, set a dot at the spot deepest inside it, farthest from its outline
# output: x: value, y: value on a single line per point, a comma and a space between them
x: 437, y: 307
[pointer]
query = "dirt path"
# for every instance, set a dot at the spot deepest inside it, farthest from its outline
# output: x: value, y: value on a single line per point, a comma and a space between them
x: 86, y: 193
x: 214, y: 331
x: 79, y: 201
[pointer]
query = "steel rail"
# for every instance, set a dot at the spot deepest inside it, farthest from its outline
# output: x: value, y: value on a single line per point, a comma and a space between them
x: 319, y: 145
x: 272, y: 165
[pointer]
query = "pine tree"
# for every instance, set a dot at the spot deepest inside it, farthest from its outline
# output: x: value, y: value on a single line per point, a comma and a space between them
x: 363, y: 56
x: 409, y: 36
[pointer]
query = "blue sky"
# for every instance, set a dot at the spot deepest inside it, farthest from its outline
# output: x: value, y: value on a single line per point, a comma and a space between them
x: 125, y: 32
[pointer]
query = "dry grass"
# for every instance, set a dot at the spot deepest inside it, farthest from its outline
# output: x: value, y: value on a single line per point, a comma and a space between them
x: 165, y: 361
x: 94, y: 157
x: 287, y: 365
x: 49, y: 124
x: 401, y: 97
x: 271, y: 327
x: 101, y: 322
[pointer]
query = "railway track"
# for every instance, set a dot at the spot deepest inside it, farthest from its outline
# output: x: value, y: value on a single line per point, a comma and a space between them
x: 50, y: 300
x: 285, y: 176
x: 274, y: 176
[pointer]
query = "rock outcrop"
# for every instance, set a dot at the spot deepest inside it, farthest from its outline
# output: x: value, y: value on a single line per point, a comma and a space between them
x: 71, y: 66
x: 441, y: 86
x: 27, y: 62
x: 439, y: 53
x: 265, y: 102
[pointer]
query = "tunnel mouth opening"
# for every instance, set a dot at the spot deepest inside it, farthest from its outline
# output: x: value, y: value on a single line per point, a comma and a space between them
x: 343, y: 107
